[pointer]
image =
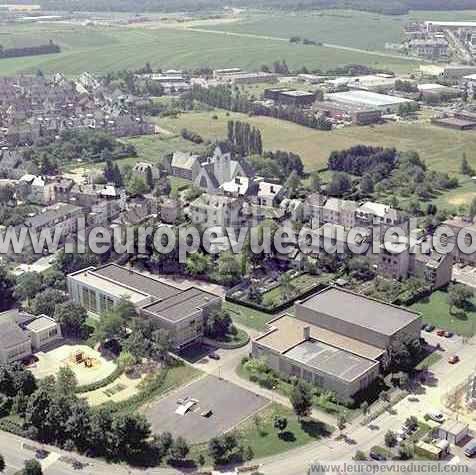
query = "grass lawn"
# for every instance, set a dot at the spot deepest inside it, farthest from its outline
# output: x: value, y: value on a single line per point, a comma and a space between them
x: 283, y: 387
x: 247, y: 317
x: 265, y: 440
x: 301, y: 284
x: 435, y: 310
x: 240, y: 339
x: 259, y: 433
x: 177, y: 184
x: 441, y: 148
x: 429, y: 361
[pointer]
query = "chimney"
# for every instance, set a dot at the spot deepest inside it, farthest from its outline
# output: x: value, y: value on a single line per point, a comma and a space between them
x: 306, y: 333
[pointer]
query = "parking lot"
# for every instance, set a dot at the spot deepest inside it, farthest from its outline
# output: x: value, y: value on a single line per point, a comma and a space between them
x: 228, y: 403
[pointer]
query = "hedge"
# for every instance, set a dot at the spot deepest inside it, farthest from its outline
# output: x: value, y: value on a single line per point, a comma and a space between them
x: 86, y: 388
x: 13, y: 427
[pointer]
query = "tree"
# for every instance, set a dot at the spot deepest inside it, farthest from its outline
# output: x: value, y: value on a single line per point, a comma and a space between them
x: 293, y: 183
x: 28, y: 285
x: 341, y: 422
x: 359, y: 456
x: 229, y: 267
x: 126, y: 361
x: 130, y: 432
x: 301, y: 399
x: 472, y: 209
x: 111, y: 325
x: 72, y: 319
x: 149, y: 178
x: 180, y: 449
x: 367, y: 185
x: 390, y: 439
x: 32, y: 467
x: 315, y: 182
x: 280, y: 423
x: 287, y: 288
x: 7, y: 283
x: 45, y: 302
x: 198, y: 263
x: 459, y: 296
x: 412, y: 423
x: 339, y: 185
x: 220, y: 324
x: 137, y: 186
x: 66, y: 382
x: 101, y: 427
x: 164, y: 443
x: 466, y: 169
x: 406, y: 451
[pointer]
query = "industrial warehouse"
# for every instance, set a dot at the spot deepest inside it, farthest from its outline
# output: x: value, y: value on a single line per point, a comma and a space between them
x: 372, y: 100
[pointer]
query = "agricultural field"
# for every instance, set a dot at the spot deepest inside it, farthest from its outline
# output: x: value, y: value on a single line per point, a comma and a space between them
x: 103, y: 49
x: 441, y: 148
x: 368, y: 31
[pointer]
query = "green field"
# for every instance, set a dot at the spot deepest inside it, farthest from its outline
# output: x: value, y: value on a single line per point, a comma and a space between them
x: 441, y: 148
x: 435, y: 310
x: 368, y: 31
x: 102, y: 49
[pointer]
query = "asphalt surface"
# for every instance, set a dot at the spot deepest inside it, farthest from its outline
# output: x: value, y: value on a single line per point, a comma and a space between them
x: 229, y: 404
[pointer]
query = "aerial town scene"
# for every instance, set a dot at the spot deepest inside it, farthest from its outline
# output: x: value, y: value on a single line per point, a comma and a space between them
x: 237, y: 237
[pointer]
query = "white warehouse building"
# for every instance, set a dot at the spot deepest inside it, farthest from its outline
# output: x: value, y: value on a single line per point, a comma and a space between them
x: 383, y: 102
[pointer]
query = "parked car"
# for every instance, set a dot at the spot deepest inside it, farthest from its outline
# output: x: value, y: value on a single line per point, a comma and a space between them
x: 440, y: 333
x: 373, y: 454
x: 453, y: 359
x: 435, y: 416
x: 470, y: 448
x: 430, y: 328
x: 449, y: 334
x: 214, y: 356
x: 423, y: 326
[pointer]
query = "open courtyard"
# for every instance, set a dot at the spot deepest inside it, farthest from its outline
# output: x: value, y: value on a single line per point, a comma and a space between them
x: 226, y: 403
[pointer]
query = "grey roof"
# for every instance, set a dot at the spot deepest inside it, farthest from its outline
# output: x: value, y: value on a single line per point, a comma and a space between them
x: 362, y: 311
x: 41, y: 323
x: 182, y: 305
x: 51, y: 214
x: 11, y: 334
x: 137, y: 281
x: 17, y: 316
x: 330, y: 360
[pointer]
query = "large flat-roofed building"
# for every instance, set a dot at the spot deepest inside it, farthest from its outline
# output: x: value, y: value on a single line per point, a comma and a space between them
x: 183, y: 313
x: 356, y: 316
x: 338, y: 340
x: 383, y: 102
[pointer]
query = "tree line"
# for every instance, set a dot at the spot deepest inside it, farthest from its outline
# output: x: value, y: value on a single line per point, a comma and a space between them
x: 246, y: 140
x: 362, y: 159
x: 389, y: 7
x: 48, y: 48
x: 224, y: 98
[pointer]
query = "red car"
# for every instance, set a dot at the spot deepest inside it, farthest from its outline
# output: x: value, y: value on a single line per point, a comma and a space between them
x: 440, y: 333
x: 453, y: 359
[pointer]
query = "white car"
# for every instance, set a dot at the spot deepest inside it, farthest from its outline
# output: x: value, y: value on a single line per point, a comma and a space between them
x: 435, y: 416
